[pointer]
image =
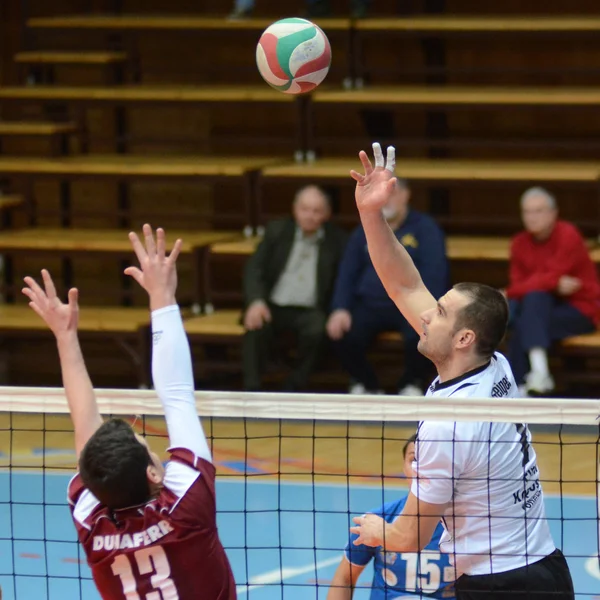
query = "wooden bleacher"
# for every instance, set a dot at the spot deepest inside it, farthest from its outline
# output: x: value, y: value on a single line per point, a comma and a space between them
x: 59, y: 57
x: 156, y: 115
x: 140, y: 93
x: 35, y: 128
x: 426, y: 24
x: 126, y: 166
x: 126, y: 327
x: 141, y: 22
x: 447, y: 170
x: 465, y: 95
x: 71, y: 242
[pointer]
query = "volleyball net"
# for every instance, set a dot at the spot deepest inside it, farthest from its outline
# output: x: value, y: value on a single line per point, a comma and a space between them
x: 293, y: 471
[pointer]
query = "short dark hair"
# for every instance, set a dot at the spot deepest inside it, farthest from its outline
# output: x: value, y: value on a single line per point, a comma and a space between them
x: 411, y: 440
x: 113, y: 466
x: 486, y: 315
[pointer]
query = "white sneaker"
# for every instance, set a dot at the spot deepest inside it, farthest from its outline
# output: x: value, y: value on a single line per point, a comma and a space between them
x: 538, y: 383
x: 410, y: 390
x: 356, y: 389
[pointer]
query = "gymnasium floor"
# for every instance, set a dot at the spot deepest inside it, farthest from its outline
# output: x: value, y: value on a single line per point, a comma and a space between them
x: 270, y: 524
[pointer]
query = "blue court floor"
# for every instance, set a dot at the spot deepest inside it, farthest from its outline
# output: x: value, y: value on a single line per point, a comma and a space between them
x: 270, y: 531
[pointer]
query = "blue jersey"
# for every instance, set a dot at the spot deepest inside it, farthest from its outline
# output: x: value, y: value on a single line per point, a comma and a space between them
x: 407, y: 574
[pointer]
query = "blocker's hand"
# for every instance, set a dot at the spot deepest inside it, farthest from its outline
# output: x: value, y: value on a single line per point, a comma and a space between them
x: 374, y: 188
x: 370, y: 530
x: 157, y: 272
x: 61, y: 318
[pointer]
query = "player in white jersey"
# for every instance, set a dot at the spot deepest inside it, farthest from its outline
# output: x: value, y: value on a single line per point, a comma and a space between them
x: 480, y: 478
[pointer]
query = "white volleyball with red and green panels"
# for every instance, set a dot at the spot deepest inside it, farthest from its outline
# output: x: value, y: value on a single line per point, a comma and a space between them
x: 293, y: 55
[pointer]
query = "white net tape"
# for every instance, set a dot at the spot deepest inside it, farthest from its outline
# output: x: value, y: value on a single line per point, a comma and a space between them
x: 320, y: 407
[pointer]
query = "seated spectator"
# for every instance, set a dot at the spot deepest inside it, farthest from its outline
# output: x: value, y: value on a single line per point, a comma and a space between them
x: 288, y: 284
x: 394, y: 574
x: 242, y: 9
x: 362, y: 308
x: 553, y: 293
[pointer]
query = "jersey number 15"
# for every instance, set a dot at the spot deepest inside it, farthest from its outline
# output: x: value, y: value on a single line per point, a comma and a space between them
x: 150, y: 561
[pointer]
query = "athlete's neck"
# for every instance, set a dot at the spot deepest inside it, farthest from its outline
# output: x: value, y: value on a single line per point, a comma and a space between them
x: 458, y: 365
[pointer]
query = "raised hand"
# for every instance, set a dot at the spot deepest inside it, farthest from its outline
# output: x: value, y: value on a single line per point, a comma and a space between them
x: 374, y: 188
x: 61, y: 318
x: 157, y: 273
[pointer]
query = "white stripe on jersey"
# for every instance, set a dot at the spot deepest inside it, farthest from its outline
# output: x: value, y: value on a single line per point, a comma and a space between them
x: 487, y: 472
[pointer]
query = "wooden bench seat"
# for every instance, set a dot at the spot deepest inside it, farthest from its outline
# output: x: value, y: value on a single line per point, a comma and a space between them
x: 469, y: 96
x: 126, y: 328
x: 72, y: 242
x: 144, y: 94
x: 221, y: 323
x: 526, y: 24
x: 96, y: 240
x: 91, y: 319
x: 126, y: 166
x: 45, y: 57
x: 8, y: 201
x: 140, y: 22
x: 447, y: 170
x: 35, y: 128
x: 458, y: 248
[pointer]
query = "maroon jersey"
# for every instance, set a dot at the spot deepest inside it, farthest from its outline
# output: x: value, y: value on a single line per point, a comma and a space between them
x: 167, y: 549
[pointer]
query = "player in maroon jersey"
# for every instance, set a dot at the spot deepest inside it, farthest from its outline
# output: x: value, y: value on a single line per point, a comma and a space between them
x: 149, y: 532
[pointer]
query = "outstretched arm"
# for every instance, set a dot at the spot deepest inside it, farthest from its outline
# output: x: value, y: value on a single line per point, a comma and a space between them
x: 62, y: 319
x: 171, y: 357
x: 393, y: 264
x: 344, y: 581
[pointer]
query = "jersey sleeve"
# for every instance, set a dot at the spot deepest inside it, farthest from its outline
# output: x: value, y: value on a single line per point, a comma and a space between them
x: 173, y: 379
x: 436, y: 462
x: 358, y: 555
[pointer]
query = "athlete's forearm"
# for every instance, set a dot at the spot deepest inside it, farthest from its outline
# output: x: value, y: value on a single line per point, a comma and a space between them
x: 342, y: 584
x: 174, y: 380
x: 392, y: 262
x: 78, y: 389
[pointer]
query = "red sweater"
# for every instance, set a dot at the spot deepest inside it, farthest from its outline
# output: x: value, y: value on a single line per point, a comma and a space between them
x: 537, y: 267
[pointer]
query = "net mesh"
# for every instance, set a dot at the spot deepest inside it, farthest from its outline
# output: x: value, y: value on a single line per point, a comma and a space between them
x: 292, y: 472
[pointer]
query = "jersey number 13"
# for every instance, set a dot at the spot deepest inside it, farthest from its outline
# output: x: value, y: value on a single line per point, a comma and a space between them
x: 150, y: 561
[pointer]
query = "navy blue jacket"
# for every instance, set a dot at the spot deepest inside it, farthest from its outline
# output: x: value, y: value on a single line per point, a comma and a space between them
x: 358, y: 283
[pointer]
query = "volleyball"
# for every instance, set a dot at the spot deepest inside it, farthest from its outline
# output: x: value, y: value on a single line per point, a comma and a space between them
x: 293, y: 56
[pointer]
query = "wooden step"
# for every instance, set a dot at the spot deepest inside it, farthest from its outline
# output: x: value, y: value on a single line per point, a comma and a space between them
x: 35, y: 128
x: 140, y: 166
x: 146, y: 93
x: 50, y: 57
x: 41, y: 239
x: 142, y: 22
x: 466, y: 95
x: 222, y: 323
x: 526, y: 24
x: 10, y: 201
x: 447, y: 170
x: 91, y: 319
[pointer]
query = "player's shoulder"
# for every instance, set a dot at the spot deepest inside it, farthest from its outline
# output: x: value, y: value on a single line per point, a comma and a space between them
x: 569, y: 230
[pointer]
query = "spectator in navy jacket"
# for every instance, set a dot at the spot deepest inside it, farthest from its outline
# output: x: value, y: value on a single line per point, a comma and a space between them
x: 361, y: 308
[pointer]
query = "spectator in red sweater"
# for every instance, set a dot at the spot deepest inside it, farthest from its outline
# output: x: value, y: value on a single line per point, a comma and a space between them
x: 554, y: 292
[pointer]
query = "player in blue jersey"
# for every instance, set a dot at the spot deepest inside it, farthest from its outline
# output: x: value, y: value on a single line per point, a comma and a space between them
x: 397, y: 575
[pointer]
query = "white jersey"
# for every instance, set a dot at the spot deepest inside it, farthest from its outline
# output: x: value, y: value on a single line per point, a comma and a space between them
x: 487, y: 473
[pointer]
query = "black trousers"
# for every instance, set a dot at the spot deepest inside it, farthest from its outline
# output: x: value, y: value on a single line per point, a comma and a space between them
x: 547, y: 579
x: 367, y: 323
x: 307, y: 324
